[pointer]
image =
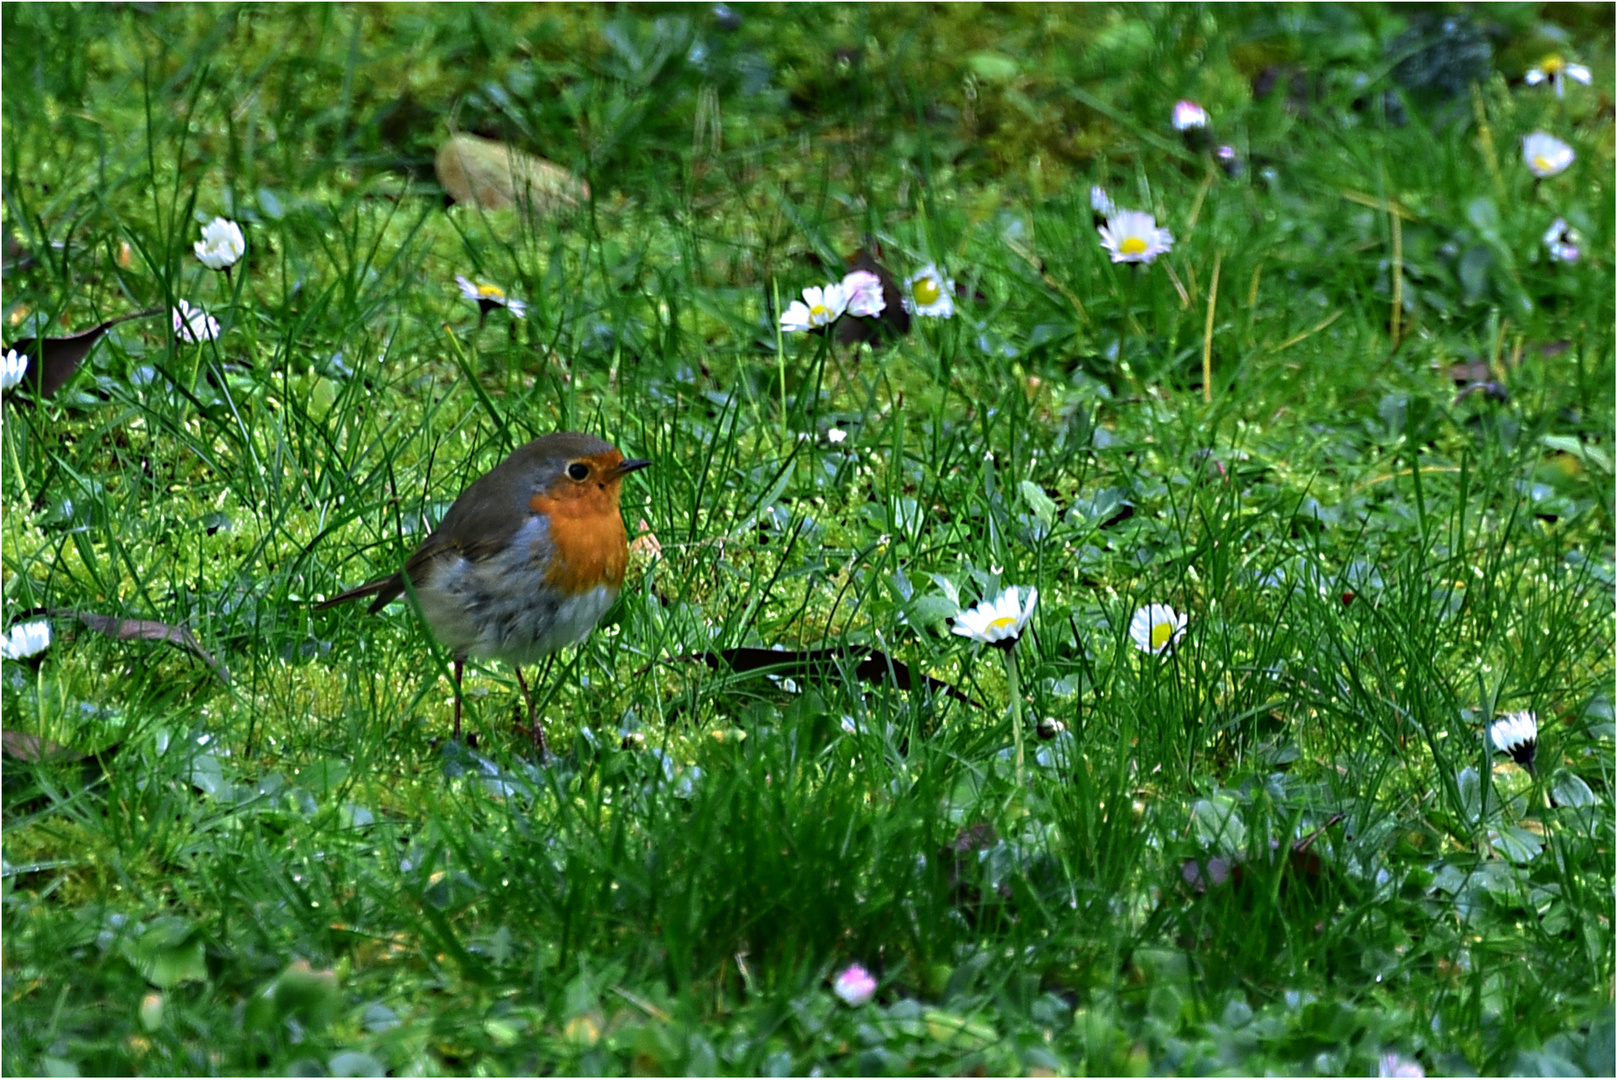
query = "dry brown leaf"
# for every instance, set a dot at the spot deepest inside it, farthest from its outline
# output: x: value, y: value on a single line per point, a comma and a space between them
x: 145, y: 630
x: 494, y: 176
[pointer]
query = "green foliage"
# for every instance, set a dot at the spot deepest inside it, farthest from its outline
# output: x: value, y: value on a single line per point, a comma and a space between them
x: 1388, y: 514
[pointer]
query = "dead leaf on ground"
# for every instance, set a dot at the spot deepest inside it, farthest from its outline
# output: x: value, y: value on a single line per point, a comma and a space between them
x: 491, y: 175
x: 870, y: 665
x: 52, y: 361
x: 144, y: 630
x: 1475, y: 377
x: 30, y: 749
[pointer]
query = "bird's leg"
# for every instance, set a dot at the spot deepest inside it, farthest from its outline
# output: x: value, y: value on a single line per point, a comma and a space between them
x: 535, y: 728
x: 459, y: 663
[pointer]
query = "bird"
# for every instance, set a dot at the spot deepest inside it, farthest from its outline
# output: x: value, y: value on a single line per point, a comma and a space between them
x: 527, y: 561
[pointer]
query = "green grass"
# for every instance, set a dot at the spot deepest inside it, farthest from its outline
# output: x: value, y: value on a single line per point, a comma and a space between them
x: 295, y: 872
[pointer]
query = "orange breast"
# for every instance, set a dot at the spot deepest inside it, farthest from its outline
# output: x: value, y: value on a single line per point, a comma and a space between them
x: 592, y: 547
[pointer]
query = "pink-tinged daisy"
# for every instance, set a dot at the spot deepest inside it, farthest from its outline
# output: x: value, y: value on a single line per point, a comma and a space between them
x: 1133, y: 236
x: 1394, y: 1064
x: 854, y: 986
x: 1188, y: 115
x: 193, y: 325
x: 821, y: 306
x: 864, y: 292
x: 1562, y: 241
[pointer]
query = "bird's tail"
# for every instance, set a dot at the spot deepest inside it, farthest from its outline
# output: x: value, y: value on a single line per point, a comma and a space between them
x: 384, y: 589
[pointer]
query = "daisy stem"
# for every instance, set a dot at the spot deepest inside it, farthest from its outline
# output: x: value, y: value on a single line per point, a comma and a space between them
x: 780, y: 357
x: 1016, y: 708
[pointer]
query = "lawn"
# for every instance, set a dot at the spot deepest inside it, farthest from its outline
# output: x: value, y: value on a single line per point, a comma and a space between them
x: 1302, y: 760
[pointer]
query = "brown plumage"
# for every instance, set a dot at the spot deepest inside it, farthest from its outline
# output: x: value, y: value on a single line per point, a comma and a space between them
x: 526, y: 562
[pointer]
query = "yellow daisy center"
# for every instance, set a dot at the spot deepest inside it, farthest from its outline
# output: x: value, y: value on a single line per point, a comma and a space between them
x: 1005, y: 622
x: 491, y: 292
x: 1133, y: 245
x: 1551, y: 64
x: 926, y: 291
x: 1161, y: 632
x: 819, y: 311
x: 1543, y: 163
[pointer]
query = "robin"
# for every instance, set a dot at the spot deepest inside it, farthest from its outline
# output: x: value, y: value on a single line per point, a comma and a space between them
x: 525, y: 563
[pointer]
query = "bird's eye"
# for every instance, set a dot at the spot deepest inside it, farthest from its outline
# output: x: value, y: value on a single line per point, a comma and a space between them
x: 579, y: 470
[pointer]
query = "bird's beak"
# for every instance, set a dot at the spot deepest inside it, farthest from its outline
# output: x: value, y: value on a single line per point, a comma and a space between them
x: 627, y: 466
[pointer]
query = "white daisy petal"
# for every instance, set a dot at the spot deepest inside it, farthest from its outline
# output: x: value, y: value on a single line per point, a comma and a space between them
x: 221, y: 245
x: 1000, y: 619
x: 1188, y: 115
x: 1155, y: 627
x: 1562, y: 242
x: 1545, y: 154
x: 820, y: 306
x: 193, y: 325
x: 1397, y: 1065
x: 25, y: 640
x: 1516, y: 734
x: 12, y: 368
x: 927, y: 292
x: 489, y: 297
x: 1133, y: 236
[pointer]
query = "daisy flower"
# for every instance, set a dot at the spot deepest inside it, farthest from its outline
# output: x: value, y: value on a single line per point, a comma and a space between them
x: 835, y: 435
x: 489, y: 297
x: 1133, y: 236
x: 1155, y: 627
x: 25, y: 640
x: 819, y: 307
x: 194, y: 325
x: 928, y: 292
x: 221, y: 244
x: 1397, y: 1065
x: 998, y: 621
x: 1562, y: 241
x: 854, y: 986
x: 1517, y: 734
x: 1188, y: 115
x: 1546, y: 155
x: 12, y: 369
x: 1556, y: 71
x: 864, y: 292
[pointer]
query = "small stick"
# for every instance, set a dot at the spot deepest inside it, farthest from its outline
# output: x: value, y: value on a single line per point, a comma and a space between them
x: 535, y: 729
x: 1207, y: 331
x: 1398, y: 274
